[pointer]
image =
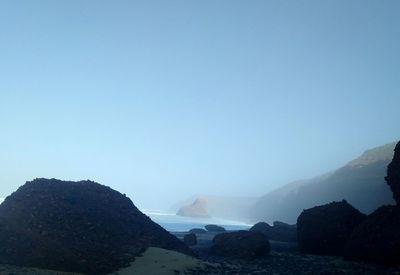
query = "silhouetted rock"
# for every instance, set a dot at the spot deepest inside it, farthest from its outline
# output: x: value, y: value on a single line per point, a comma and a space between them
x: 324, y: 229
x: 393, y: 174
x: 197, y: 231
x: 76, y: 226
x: 280, y: 231
x: 377, y: 239
x: 214, y: 228
x: 190, y: 239
x: 241, y: 244
x: 197, y: 209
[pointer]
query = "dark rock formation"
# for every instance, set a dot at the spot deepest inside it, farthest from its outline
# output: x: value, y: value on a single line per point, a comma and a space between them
x: 262, y: 227
x: 324, y: 229
x: 197, y: 231
x: 190, y: 239
x: 377, y: 239
x: 214, y: 228
x: 393, y: 174
x: 197, y: 209
x: 280, y: 231
x: 241, y: 244
x: 76, y: 226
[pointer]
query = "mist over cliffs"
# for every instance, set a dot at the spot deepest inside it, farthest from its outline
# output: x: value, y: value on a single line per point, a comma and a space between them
x: 361, y: 182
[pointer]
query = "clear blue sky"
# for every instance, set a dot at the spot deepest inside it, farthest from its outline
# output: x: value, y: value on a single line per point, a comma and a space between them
x: 162, y: 100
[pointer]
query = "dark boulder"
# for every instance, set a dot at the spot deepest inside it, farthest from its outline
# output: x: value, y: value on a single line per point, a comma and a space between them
x: 377, y: 239
x: 76, y: 226
x: 280, y: 231
x: 324, y: 229
x: 393, y: 174
x: 214, y: 228
x: 241, y: 244
x: 197, y: 231
x: 262, y: 227
x: 190, y: 239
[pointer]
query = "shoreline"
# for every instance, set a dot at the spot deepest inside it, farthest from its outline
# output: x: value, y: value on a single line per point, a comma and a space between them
x: 283, y: 259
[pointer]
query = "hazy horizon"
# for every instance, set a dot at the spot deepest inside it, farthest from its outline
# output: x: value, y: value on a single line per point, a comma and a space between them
x: 165, y: 100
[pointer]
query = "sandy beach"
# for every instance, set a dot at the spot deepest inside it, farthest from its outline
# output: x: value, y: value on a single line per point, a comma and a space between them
x: 158, y: 261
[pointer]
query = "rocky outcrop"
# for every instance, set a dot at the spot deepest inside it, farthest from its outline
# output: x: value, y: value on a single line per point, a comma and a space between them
x: 190, y: 239
x: 197, y: 209
x: 280, y: 231
x: 324, y: 229
x: 377, y: 239
x: 393, y: 174
x: 197, y: 231
x: 214, y: 228
x: 241, y: 244
x: 76, y: 226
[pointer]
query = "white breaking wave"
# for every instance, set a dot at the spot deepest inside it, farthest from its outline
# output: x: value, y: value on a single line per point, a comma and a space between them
x: 1, y: 200
x: 150, y: 212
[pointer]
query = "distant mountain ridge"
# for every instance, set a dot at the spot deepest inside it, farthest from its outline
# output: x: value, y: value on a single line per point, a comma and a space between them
x: 360, y: 182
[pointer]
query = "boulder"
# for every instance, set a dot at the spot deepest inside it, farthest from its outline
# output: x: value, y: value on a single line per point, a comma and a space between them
x: 197, y: 231
x: 393, y: 174
x: 280, y: 231
x: 214, y: 228
x: 80, y: 227
x: 324, y: 229
x: 190, y: 239
x: 241, y: 244
x: 377, y: 239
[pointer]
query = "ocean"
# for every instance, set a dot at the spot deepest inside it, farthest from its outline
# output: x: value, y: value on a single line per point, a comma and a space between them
x: 174, y: 223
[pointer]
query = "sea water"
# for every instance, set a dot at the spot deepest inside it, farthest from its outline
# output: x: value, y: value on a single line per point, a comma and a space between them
x: 174, y: 223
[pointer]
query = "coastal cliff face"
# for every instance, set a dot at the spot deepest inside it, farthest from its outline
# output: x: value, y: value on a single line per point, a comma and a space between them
x: 360, y: 182
x: 76, y: 226
x: 197, y: 209
x: 231, y: 208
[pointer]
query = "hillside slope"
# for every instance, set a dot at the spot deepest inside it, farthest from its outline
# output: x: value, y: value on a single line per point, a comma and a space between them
x: 360, y: 182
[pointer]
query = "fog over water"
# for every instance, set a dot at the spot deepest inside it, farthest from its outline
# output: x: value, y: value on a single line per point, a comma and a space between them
x: 174, y: 99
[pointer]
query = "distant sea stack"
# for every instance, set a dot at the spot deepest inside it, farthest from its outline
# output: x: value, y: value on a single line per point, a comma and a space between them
x: 76, y: 226
x: 197, y: 209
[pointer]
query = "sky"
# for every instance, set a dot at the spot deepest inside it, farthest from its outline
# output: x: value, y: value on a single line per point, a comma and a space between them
x: 163, y: 100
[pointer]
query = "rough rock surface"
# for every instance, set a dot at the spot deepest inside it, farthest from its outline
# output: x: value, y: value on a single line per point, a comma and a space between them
x: 190, y: 239
x: 393, y: 174
x: 197, y: 231
x: 324, y: 230
x: 377, y: 239
x: 280, y: 231
x: 241, y: 244
x: 76, y: 226
x: 214, y: 228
